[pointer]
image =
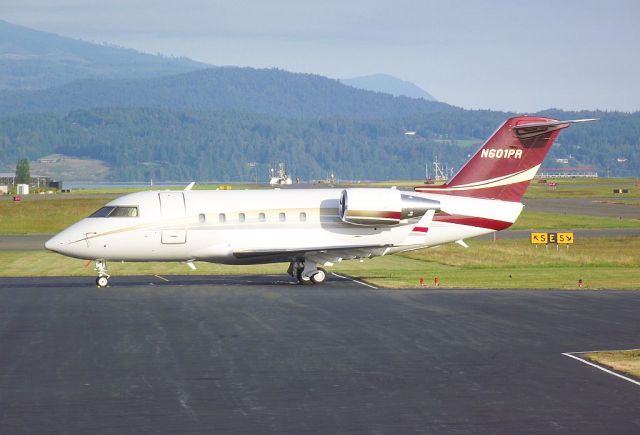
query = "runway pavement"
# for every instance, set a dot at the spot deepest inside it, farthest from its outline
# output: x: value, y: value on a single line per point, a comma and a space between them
x: 257, y: 354
x: 601, y: 207
x: 32, y: 242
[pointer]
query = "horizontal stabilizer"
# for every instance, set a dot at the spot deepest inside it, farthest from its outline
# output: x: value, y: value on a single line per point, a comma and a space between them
x: 554, y: 123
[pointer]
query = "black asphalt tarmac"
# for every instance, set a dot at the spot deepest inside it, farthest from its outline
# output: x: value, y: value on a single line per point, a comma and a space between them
x: 257, y: 354
x: 31, y: 242
x: 601, y: 207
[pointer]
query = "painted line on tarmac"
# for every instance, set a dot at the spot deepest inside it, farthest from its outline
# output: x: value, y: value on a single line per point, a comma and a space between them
x: 599, y: 367
x: 354, y: 280
x: 162, y: 278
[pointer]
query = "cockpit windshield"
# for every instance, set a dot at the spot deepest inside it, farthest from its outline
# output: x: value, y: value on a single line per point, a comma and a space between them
x: 117, y: 211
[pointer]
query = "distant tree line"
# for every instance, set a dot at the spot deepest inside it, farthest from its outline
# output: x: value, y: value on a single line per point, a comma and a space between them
x: 163, y: 144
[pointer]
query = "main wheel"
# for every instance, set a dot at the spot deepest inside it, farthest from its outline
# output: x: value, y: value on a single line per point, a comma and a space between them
x: 319, y: 277
x: 304, y: 280
x: 102, y: 281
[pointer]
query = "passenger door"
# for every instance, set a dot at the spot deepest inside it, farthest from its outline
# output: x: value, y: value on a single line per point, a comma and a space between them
x: 173, y: 211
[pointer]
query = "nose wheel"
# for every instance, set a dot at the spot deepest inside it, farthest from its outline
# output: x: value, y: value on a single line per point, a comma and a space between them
x: 102, y: 281
x: 103, y: 274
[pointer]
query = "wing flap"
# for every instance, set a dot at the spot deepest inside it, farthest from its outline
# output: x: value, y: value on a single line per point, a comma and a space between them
x: 320, y: 254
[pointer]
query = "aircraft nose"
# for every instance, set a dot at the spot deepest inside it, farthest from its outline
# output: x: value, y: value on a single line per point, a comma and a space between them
x: 54, y: 243
x: 62, y: 243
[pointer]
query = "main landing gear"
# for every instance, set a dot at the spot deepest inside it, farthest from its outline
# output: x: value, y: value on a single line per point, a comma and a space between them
x: 306, y: 272
x: 103, y: 275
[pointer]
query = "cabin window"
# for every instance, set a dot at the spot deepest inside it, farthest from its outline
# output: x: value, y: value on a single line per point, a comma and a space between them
x: 303, y: 217
x: 124, y: 212
x: 222, y: 218
x: 201, y: 218
x: 282, y: 217
x: 241, y: 217
x: 116, y: 211
x: 262, y: 217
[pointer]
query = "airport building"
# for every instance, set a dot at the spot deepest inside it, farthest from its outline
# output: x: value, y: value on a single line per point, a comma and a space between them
x: 36, y: 182
x: 576, y: 172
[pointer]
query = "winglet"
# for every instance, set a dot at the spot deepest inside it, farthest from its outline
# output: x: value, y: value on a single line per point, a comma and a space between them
x: 190, y: 186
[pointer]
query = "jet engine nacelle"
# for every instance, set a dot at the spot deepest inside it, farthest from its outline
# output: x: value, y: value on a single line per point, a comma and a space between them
x: 382, y: 207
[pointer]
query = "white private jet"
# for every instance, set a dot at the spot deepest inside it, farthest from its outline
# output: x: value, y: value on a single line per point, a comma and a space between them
x: 316, y: 227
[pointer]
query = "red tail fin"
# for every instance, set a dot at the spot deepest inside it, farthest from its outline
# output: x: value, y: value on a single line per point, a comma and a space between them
x: 507, y: 162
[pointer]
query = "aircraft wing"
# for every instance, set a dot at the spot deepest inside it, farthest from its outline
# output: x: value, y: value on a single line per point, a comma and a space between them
x: 324, y: 255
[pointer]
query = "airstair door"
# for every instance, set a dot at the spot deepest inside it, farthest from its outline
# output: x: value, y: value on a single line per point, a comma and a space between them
x: 173, y: 211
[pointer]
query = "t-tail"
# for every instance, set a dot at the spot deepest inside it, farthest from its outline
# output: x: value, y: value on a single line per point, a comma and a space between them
x: 505, y: 165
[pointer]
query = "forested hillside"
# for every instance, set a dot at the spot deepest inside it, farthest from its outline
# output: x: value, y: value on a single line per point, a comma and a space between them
x: 161, y: 144
x: 140, y: 144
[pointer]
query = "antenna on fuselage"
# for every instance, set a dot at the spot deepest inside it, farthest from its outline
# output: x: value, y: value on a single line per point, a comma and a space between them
x: 190, y: 186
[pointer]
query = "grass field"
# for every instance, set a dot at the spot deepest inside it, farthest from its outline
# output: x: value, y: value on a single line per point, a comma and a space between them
x: 626, y: 361
x: 45, y: 216
x: 600, y: 263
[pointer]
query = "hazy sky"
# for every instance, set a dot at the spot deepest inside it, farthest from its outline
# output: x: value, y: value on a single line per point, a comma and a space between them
x: 507, y: 55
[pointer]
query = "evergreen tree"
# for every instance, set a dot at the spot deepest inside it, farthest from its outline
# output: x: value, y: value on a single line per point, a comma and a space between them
x: 23, y: 174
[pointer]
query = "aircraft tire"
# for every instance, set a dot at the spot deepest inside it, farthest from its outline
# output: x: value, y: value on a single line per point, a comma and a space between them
x: 319, y: 277
x: 303, y: 280
x: 102, y: 281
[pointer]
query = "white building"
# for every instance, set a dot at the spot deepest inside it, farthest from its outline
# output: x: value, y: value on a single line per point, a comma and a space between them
x: 23, y: 189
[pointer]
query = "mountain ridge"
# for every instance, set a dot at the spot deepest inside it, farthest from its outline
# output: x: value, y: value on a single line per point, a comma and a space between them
x: 32, y: 59
x: 269, y: 91
x: 388, y: 84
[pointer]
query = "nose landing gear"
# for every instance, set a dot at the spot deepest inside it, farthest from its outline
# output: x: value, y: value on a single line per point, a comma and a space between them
x: 103, y: 275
